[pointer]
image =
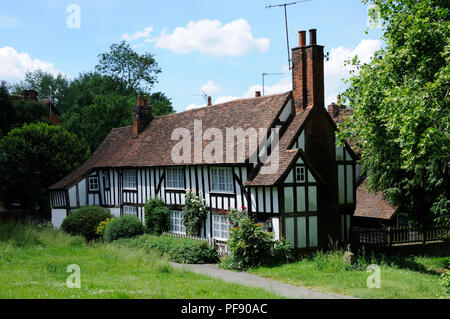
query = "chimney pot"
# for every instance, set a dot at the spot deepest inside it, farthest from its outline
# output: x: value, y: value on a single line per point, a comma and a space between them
x: 312, y: 37
x: 209, y: 101
x: 301, y: 38
x: 257, y: 93
x: 139, y: 101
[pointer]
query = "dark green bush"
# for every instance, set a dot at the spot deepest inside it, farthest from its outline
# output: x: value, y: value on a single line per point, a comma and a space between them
x: 123, y: 227
x: 181, y: 250
x: 156, y: 216
x: 84, y: 221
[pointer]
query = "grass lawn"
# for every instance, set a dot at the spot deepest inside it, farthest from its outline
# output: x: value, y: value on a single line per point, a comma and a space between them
x: 401, y: 277
x: 33, y: 264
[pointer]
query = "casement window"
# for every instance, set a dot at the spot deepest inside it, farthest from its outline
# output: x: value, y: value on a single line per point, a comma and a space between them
x: 220, y: 227
x: 129, y: 179
x: 221, y: 179
x: 175, y: 177
x: 176, y: 222
x: 130, y: 210
x: 106, y: 179
x: 345, y: 176
x: 93, y: 183
x: 300, y: 174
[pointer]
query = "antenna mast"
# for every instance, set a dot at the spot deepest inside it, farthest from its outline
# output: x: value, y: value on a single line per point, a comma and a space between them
x: 284, y: 5
x: 265, y: 74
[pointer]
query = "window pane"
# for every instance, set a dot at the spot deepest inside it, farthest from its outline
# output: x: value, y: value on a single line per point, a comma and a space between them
x: 312, y: 198
x: 313, y: 231
x: 339, y: 153
x: 349, y: 184
x: 341, y: 184
x: 301, y: 207
x: 288, y: 199
x: 222, y: 179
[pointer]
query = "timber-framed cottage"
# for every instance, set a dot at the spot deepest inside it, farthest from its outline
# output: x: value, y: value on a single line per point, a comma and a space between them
x: 308, y: 198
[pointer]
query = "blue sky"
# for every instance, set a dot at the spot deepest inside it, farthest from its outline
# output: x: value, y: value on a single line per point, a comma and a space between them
x: 221, y: 47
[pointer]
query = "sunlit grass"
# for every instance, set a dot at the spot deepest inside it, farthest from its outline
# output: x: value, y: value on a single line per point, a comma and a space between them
x: 33, y: 264
x: 401, y: 277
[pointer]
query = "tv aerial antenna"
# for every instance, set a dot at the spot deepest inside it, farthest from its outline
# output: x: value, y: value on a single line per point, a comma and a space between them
x: 204, y: 95
x: 284, y: 5
x: 264, y: 74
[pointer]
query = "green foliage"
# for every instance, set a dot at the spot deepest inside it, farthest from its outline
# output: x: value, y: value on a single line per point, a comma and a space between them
x: 401, y: 114
x: 133, y: 71
x: 123, y: 227
x: 234, y: 215
x: 48, y: 86
x: 102, y: 226
x: 157, y: 217
x: 7, y: 112
x: 181, y: 250
x: 194, y: 212
x: 250, y: 246
x: 16, y: 114
x: 85, y: 220
x: 445, y: 283
x: 93, y: 122
x: 34, y: 157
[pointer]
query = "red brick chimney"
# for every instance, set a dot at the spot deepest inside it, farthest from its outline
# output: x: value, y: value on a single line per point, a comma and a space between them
x: 209, y: 101
x: 307, y: 72
x: 142, y: 115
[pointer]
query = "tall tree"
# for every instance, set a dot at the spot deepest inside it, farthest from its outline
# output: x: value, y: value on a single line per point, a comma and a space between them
x: 48, y: 86
x: 32, y: 158
x: 401, y: 108
x: 133, y: 71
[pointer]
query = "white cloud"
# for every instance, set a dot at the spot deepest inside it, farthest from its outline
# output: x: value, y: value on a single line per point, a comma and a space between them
x: 213, y: 38
x: 210, y: 88
x: 223, y: 99
x: 193, y: 106
x: 335, y: 70
x: 14, y: 65
x: 138, y: 34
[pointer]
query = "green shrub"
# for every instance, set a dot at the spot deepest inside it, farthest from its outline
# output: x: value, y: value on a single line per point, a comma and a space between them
x: 123, y: 227
x: 156, y: 216
x: 181, y: 250
x: 85, y: 220
x: 445, y: 283
x: 250, y: 245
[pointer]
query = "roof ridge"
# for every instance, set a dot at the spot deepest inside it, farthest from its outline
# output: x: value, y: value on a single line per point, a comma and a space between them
x: 223, y: 103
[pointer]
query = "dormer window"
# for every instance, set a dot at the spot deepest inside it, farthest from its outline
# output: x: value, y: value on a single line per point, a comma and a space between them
x: 300, y: 174
x: 93, y: 183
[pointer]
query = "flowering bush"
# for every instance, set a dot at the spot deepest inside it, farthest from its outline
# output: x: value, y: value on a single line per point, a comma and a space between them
x: 250, y: 245
x: 234, y: 215
x: 194, y: 212
x: 102, y: 226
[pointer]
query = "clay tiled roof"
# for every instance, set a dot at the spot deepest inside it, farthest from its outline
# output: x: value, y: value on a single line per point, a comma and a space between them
x: 372, y: 205
x: 153, y: 146
x: 286, y: 155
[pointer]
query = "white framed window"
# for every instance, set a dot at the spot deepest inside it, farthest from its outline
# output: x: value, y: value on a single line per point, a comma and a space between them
x: 220, y: 227
x: 129, y: 179
x: 130, y: 210
x: 93, y: 183
x: 175, y: 177
x: 300, y: 174
x: 105, y: 179
x: 222, y: 179
x: 176, y: 222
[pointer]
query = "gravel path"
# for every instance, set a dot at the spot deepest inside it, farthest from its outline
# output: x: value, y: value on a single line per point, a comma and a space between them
x: 246, y: 279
